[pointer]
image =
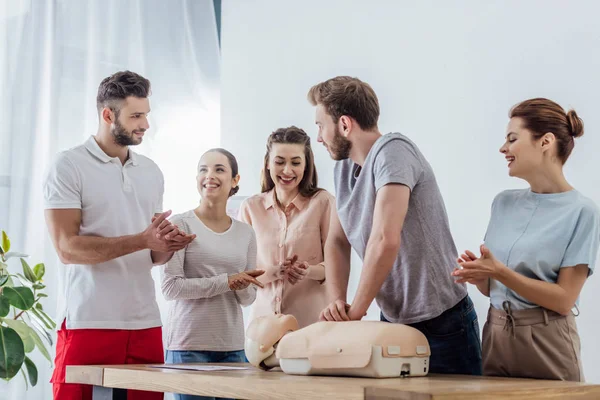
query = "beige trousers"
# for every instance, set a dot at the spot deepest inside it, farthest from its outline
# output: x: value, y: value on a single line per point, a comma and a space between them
x: 534, y: 343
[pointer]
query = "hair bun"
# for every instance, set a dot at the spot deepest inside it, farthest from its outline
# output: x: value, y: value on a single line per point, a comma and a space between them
x: 575, y: 124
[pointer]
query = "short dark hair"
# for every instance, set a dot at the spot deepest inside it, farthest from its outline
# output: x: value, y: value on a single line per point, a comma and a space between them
x: 120, y: 85
x: 345, y: 95
x: 232, y: 163
x: 292, y: 135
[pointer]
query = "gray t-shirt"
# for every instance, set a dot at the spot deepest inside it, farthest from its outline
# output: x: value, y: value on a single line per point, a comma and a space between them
x: 419, y: 286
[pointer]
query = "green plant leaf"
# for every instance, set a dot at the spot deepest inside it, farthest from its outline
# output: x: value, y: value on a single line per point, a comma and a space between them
x: 12, y: 352
x: 40, y: 345
x: 9, y: 282
x: 20, y: 297
x: 47, y: 317
x: 12, y: 254
x: 35, y: 316
x: 4, y: 306
x: 24, y: 281
x: 43, y: 320
x: 19, y: 326
x: 28, y: 272
x: 24, y: 332
x: 5, y: 244
x: 38, y: 286
x: 39, y: 270
x: 31, y: 371
x: 3, y: 278
x: 28, y: 344
x: 39, y: 306
x: 40, y: 329
x: 42, y: 295
x: 3, y: 266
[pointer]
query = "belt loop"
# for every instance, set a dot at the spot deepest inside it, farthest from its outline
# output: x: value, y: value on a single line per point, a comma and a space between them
x: 545, y: 316
x: 510, y: 320
x: 577, y: 308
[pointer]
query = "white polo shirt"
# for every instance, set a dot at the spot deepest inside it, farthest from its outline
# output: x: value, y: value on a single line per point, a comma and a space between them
x: 115, y: 200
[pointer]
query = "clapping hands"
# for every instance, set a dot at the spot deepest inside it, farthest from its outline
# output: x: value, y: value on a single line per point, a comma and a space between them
x: 162, y: 235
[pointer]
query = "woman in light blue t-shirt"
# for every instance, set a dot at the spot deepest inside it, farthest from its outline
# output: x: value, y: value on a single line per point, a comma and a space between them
x: 540, y: 247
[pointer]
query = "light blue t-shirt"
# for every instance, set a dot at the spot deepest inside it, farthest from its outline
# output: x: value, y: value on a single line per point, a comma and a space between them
x: 538, y: 234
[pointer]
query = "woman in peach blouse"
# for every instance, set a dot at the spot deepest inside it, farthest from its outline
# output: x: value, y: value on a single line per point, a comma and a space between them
x: 291, y: 220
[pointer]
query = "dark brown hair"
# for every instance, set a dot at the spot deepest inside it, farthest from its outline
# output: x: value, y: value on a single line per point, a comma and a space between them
x: 232, y: 163
x: 541, y: 116
x: 117, y: 87
x: 308, y: 186
x: 344, y: 95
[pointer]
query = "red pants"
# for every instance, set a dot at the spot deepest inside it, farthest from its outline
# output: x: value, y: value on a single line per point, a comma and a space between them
x: 107, y: 347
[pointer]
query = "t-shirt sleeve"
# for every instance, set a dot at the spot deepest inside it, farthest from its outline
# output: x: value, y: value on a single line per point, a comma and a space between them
x: 492, y: 214
x: 247, y: 296
x: 62, y: 186
x: 328, y: 208
x: 583, y: 246
x: 337, y: 174
x: 397, y: 162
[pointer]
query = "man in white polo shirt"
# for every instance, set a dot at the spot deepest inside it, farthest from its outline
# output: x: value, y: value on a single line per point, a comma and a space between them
x: 104, y: 213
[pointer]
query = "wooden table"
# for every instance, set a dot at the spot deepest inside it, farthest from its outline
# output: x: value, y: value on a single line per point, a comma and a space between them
x: 252, y: 383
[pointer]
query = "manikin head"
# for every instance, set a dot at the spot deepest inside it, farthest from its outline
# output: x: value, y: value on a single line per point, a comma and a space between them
x: 262, y: 337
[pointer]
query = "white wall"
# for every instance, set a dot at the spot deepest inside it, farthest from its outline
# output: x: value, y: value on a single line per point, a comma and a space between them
x: 446, y: 75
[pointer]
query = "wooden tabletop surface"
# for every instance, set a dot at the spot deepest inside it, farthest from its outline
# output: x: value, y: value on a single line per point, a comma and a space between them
x: 252, y: 383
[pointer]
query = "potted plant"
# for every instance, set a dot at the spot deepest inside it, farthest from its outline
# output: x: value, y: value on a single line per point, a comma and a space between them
x: 23, y: 321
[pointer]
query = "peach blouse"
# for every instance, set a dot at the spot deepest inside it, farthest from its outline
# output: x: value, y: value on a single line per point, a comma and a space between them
x: 302, y: 230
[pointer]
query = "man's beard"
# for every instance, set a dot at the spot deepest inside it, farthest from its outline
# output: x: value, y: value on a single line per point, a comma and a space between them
x: 340, y: 147
x: 124, y: 138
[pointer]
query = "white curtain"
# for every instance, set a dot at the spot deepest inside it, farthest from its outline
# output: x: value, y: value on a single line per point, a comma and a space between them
x: 53, y: 55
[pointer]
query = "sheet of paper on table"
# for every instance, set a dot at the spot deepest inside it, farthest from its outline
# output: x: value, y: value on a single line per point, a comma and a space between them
x: 198, y: 367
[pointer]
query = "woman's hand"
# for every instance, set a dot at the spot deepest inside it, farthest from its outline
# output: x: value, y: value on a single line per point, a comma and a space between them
x: 467, y: 256
x: 295, y: 272
x: 477, y: 270
x: 244, y: 279
x: 279, y: 271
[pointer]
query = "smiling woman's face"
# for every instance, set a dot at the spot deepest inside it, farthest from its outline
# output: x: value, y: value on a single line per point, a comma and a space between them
x: 287, y: 163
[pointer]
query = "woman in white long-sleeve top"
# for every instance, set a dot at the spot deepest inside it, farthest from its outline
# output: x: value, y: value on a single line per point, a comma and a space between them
x: 208, y: 281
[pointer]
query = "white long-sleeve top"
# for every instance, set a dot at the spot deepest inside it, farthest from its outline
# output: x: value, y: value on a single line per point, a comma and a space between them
x: 204, y: 314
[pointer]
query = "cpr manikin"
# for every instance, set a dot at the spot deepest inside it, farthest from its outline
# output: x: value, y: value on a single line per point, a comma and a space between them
x: 353, y: 348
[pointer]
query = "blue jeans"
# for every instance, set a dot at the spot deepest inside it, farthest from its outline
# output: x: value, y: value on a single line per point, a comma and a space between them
x: 185, y: 357
x: 454, y: 340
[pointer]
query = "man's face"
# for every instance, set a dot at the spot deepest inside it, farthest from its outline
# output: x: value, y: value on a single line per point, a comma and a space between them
x: 131, y: 121
x: 331, y: 137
